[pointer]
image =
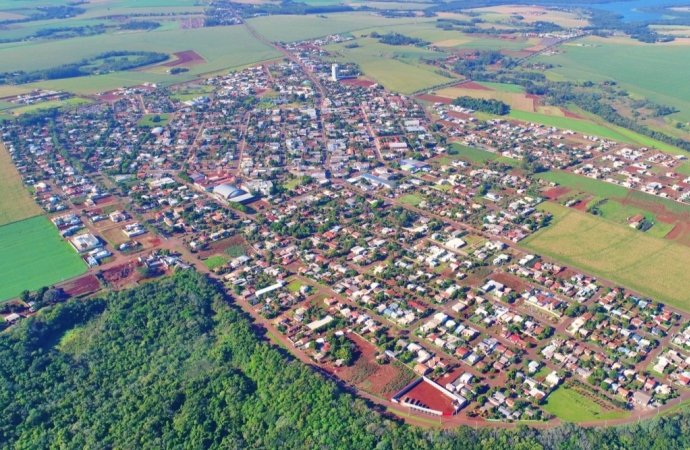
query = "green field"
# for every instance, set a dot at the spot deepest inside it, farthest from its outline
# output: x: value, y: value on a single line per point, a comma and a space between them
x: 222, y: 47
x: 514, y: 88
x: 15, y: 201
x: 395, y: 67
x: 571, y: 406
x: 411, y: 199
x: 295, y: 28
x: 32, y: 255
x: 295, y: 286
x: 591, y: 186
x: 471, y: 154
x: 652, y: 266
x: 215, y: 261
x: 50, y: 104
x: 567, y: 123
x: 147, y: 121
x: 653, y: 71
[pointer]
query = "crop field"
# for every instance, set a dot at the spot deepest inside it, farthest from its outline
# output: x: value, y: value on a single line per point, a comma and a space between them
x: 531, y: 14
x: 514, y: 88
x: 15, y: 201
x: 221, y: 47
x: 649, y: 265
x: 633, y: 65
x: 568, y: 123
x: 571, y: 405
x: 515, y: 100
x: 32, y: 255
x: 296, y: 28
x: 395, y: 67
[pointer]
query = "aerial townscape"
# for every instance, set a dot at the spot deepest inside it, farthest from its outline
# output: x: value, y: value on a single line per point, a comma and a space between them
x: 357, y: 224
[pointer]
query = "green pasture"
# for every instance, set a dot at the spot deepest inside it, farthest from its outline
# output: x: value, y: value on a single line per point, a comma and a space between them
x: 33, y: 255
x: 514, y: 88
x: 591, y: 186
x: 471, y: 154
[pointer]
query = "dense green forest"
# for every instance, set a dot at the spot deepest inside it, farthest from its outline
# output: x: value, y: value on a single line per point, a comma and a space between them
x: 489, y: 106
x: 171, y: 364
x: 399, y: 39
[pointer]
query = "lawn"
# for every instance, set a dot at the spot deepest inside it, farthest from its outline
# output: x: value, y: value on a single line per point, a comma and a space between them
x: 32, y: 255
x: 411, y: 199
x: 571, y: 406
x: 652, y: 266
x: 15, y: 201
x: 148, y: 120
x: 215, y: 261
x: 295, y: 286
x: 567, y: 123
x: 471, y: 154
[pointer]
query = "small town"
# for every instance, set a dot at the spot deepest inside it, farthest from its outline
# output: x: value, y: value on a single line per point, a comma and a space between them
x: 377, y: 236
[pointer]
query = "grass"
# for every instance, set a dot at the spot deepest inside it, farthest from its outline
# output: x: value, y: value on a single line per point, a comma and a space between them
x: 411, y: 199
x: 292, y: 184
x: 32, y: 255
x: 571, y: 406
x: 295, y: 286
x: 147, y: 121
x: 567, y: 123
x: 632, y: 65
x: 15, y: 201
x: 517, y: 101
x: 591, y: 186
x: 471, y: 154
x: 652, y: 266
x: 215, y: 261
x: 514, y: 88
x: 50, y: 104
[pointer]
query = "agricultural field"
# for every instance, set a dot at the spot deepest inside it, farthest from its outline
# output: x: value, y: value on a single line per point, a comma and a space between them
x: 515, y: 100
x: 570, y: 405
x: 15, y: 201
x: 589, y: 185
x: 633, y: 65
x: 652, y: 266
x: 221, y: 47
x: 296, y: 28
x: 568, y: 123
x: 395, y: 67
x: 33, y: 255
x: 532, y: 14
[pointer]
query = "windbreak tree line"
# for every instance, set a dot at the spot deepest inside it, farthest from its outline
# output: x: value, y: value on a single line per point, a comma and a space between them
x: 172, y: 364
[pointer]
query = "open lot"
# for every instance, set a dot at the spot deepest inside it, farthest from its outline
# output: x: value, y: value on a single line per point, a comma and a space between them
x: 568, y: 123
x: 32, y: 255
x: 651, y: 266
x: 571, y: 405
x: 15, y: 201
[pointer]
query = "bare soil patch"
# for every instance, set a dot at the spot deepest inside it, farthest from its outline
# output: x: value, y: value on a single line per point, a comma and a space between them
x: 83, y: 285
x: 556, y: 192
x: 187, y: 58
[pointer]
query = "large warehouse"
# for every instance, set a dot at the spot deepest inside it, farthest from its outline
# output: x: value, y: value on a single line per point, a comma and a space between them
x: 229, y: 193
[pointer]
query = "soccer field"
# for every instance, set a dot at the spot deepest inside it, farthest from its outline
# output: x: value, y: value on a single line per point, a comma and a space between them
x: 32, y: 255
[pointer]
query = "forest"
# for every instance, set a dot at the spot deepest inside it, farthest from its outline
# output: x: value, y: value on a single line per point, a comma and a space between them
x: 489, y: 106
x: 173, y: 364
x: 399, y: 39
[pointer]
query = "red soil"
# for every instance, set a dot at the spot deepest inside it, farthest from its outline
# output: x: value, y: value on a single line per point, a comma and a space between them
x: 508, y: 280
x: 556, y: 192
x: 582, y: 205
x: 358, y: 82
x: 472, y: 85
x: 187, y: 58
x: 435, y: 99
x: 572, y: 115
x: 430, y: 397
x: 82, y: 285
